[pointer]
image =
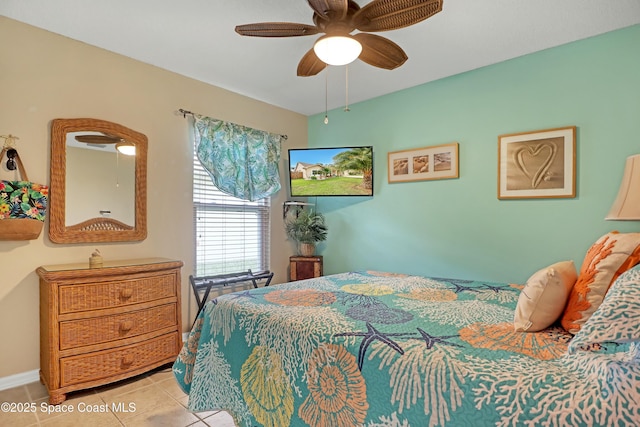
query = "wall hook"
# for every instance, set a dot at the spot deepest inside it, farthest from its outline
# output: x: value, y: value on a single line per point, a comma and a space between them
x: 9, y: 141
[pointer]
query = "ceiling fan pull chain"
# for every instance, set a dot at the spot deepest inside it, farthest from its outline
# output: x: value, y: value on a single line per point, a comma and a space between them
x: 117, y: 169
x: 326, y: 95
x: 346, y: 89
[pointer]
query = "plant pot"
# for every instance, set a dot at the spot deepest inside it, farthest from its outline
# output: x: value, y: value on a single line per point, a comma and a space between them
x: 307, y: 249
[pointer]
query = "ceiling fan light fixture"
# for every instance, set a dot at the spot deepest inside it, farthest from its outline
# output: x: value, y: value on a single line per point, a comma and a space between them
x: 337, y: 50
x: 126, y: 148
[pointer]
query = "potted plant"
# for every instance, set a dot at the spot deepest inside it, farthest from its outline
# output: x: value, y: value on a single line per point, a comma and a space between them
x: 306, y: 228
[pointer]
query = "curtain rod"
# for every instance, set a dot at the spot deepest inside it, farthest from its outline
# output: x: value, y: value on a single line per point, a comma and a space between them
x: 186, y: 113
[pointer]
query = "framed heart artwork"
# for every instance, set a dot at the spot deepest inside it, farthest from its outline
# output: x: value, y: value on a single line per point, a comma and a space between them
x: 538, y: 164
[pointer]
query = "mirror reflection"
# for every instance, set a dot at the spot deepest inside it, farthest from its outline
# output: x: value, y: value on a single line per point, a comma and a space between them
x: 100, y: 178
x: 98, y: 182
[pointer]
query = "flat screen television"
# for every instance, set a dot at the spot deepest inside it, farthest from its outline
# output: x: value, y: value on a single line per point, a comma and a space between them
x: 338, y: 171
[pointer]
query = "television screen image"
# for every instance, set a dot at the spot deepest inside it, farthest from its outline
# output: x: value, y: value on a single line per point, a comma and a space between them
x: 341, y: 171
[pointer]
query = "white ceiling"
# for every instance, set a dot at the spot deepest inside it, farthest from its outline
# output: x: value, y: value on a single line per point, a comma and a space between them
x: 196, y: 38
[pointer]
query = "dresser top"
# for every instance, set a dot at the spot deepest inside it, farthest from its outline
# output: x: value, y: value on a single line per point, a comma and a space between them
x: 109, y: 268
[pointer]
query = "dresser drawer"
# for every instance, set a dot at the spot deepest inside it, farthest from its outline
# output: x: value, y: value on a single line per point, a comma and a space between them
x: 92, y: 296
x: 110, y: 363
x: 95, y: 330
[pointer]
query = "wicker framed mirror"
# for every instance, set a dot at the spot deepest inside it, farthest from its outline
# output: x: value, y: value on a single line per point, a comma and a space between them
x: 98, y: 191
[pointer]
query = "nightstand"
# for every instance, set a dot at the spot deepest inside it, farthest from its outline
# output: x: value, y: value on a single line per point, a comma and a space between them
x: 305, y: 267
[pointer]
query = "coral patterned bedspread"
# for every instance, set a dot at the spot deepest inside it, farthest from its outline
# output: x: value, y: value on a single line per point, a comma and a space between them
x: 386, y: 350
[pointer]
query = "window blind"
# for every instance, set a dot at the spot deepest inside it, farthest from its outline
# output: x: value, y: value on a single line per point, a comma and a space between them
x: 231, y: 234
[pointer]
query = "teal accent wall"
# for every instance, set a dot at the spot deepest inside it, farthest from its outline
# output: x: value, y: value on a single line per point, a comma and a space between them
x: 458, y: 228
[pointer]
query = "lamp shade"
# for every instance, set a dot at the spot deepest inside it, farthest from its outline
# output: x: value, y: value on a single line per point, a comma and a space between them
x: 126, y: 148
x: 627, y: 204
x: 337, y: 50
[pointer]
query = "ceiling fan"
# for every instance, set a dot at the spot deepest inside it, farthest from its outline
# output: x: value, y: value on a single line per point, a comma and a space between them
x: 99, y: 139
x: 339, y: 18
x: 122, y: 145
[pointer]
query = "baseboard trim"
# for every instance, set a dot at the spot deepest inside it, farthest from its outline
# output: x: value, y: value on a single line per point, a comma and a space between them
x: 19, y: 379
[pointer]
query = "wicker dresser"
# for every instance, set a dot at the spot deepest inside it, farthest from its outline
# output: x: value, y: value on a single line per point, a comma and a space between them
x: 99, y: 325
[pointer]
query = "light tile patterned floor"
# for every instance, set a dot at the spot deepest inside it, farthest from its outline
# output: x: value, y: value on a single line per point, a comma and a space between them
x: 152, y: 399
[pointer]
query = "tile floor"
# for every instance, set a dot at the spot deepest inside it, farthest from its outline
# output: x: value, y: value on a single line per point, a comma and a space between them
x: 152, y: 399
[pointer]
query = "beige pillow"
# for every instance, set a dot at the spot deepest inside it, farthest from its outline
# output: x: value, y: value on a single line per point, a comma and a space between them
x: 544, y: 297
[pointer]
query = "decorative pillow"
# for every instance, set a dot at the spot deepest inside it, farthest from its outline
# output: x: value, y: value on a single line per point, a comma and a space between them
x: 544, y: 297
x: 613, y: 254
x: 616, y: 320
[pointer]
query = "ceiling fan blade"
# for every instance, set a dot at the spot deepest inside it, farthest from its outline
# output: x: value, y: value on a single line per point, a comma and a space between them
x: 97, y: 139
x: 310, y: 64
x: 380, y: 52
x: 330, y: 9
x: 276, y: 29
x: 384, y: 15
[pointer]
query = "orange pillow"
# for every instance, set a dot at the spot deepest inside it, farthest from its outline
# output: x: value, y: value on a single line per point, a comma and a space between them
x: 609, y: 257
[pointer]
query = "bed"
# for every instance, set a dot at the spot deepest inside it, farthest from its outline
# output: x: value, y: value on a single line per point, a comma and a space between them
x: 380, y: 349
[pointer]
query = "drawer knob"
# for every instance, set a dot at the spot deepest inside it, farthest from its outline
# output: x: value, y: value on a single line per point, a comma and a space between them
x: 127, y: 360
x: 126, y: 293
x: 126, y: 325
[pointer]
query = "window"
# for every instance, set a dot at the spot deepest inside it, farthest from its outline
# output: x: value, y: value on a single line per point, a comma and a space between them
x: 232, y: 235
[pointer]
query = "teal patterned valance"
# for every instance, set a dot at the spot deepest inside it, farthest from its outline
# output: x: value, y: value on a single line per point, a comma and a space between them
x: 241, y: 161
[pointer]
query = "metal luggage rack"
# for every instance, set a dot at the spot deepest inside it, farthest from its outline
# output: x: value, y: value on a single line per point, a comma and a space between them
x: 206, y: 283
